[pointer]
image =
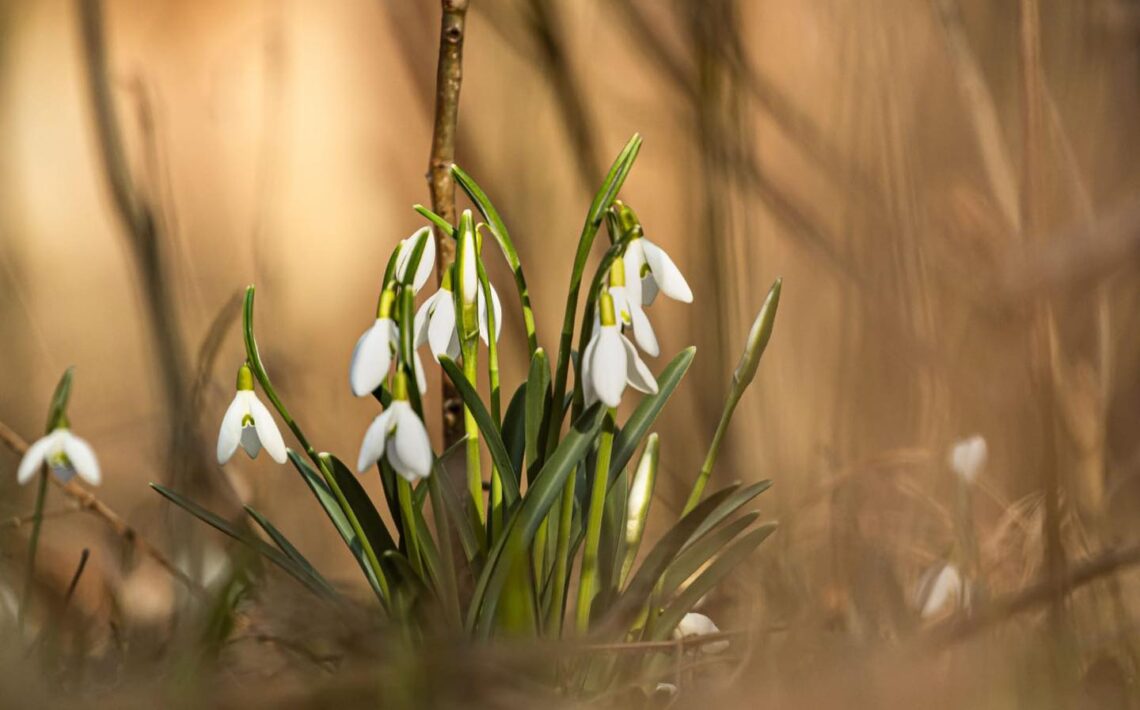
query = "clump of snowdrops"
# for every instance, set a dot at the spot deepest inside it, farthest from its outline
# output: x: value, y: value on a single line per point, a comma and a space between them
x: 566, y: 489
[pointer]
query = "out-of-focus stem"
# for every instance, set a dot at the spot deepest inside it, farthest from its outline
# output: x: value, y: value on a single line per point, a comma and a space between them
x: 561, y: 556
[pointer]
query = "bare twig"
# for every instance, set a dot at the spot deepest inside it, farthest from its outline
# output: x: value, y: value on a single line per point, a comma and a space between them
x: 83, y: 557
x: 449, y: 78
x: 86, y: 500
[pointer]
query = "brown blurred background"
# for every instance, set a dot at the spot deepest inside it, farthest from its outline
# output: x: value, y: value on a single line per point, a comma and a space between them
x: 872, y: 153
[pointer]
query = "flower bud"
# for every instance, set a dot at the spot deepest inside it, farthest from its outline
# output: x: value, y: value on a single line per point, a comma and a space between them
x: 758, y: 337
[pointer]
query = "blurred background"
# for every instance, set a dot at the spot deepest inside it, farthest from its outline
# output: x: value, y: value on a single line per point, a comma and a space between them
x: 957, y: 259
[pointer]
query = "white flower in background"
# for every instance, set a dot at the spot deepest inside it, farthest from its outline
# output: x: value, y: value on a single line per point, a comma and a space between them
x: 968, y: 457
x: 427, y: 260
x: 694, y: 624
x: 375, y: 351
x: 64, y: 453
x: 248, y: 422
x: 940, y: 590
x: 649, y: 269
x: 630, y: 312
x: 611, y: 362
x: 398, y: 435
x: 666, y: 690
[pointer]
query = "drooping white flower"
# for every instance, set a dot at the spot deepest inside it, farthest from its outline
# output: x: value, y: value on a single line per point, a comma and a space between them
x: 399, y: 435
x: 968, y: 457
x: 427, y: 260
x: 248, y: 423
x: 611, y: 362
x: 437, y: 325
x: 65, y: 455
x: 375, y: 350
x: 629, y: 310
x: 940, y: 590
x: 649, y: 269
x: 694, y: 624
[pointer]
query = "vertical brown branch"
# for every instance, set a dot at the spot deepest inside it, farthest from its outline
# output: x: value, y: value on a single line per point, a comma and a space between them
x: 1043, y: 337
x: 448, y: 79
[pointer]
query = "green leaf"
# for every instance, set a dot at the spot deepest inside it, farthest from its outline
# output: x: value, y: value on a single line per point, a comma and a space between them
x: 287, y: 547
x: 487, y: 428
x: 655, y: 564
x: 639, y: 423
x: 694, y: 556
x: 731, y: 505
x: 537, y: 403
x: 264, y: 549
x: 514, y: 428
x: 340, y: 521
x: 369, y: 517
x: 524, y: 521
x: 442, y: 224
x: 662, y: 626
x: 499, y: 231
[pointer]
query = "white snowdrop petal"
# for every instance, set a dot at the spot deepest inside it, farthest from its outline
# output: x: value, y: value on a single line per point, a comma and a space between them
x: 666, y: 273
x: 588, y: 393
x: 412, y: 445
x: 371, y: 358
x: 441, y: 329
x: 968, y: 457
x: 372, y: 448
x: 229, y: 435
x: 470, y: 270
x: 498, y: 311
x: 643, y: 332
x: 608, y: 366
x: 941, y: 591
x: 422, y: 320
x: 82, y: 458
x: 638, y: 374
x: 421, y: 378
x: 427, y: 260
x: 34, y: 458
x: 648, y: 290
x: 267, y: 430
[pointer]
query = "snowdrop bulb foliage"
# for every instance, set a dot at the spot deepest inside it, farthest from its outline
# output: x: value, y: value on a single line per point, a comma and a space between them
x: 694, y: 624
x: 400, y: 436
x: 968, y: 457
x: 648, y: 269
x: 65, y: 455
x: 248, y: 423
x: 611, y: 362
x: 427, y: 259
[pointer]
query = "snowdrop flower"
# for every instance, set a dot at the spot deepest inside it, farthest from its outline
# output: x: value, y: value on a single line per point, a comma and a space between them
x: 694, y: 624
x: 427, y: 260
x: 437, y: 325
x: 400, y: 436
x: 247, y: 422
x: 648, y: 269
x: 610, y: 361
x: 630, y: 312
x: 64, y: 453
x: 939, y: 590
x: 968, y: 457
x: 373, y: 355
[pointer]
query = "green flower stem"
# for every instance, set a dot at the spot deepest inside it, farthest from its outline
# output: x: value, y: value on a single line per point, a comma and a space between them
x: 496, y: 498
x: 588, y: 580
x: 404, y: 492
x: 253, y: 357
x: 474, y: 464
x: 561, y: 556
x: 742, y: 377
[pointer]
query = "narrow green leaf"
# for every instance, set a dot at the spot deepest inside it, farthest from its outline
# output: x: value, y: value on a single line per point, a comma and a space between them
x: 524, y: 521
x: 662, y: 626
x: 730, y: 506
x: 59, y: 398
x: 442, y: 224
x: 331, y: 506
x: 704, y: 549
x: 287, y: 547
x: 369, y: 517
x: 639, y: 423
x: 537, y: 402
x: 487, y: 428
x: 514, y: 428
x: 264, y: 549
x: 655, y: 564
